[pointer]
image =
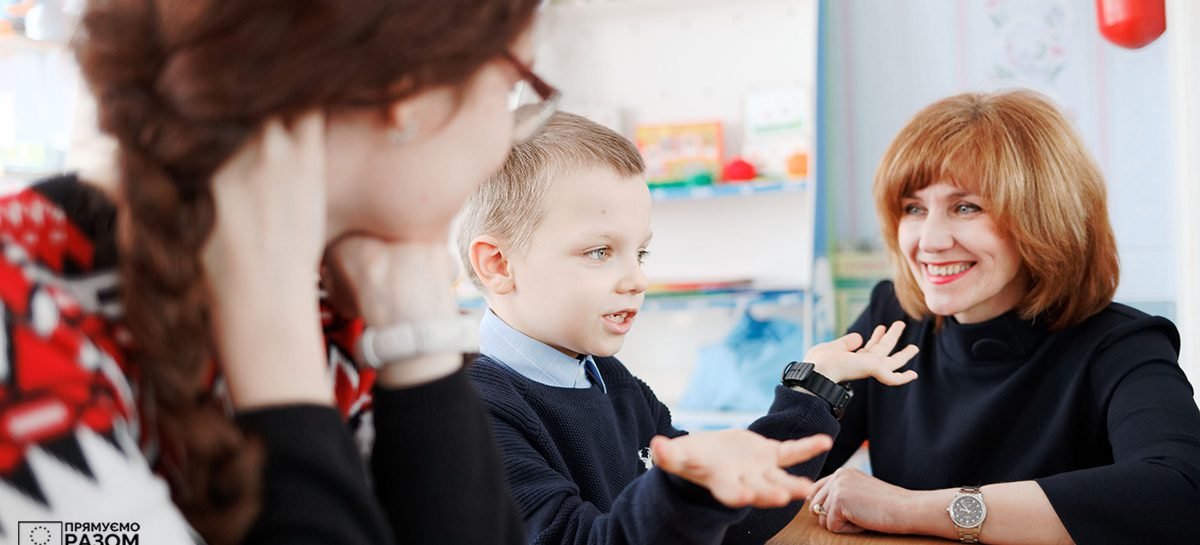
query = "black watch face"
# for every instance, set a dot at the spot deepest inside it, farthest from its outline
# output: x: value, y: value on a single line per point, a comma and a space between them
x: 967, y: 511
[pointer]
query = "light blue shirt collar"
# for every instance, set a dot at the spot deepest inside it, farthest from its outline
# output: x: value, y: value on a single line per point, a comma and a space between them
x: 533, y: 359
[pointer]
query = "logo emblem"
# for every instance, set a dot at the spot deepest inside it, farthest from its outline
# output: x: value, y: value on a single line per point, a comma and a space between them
x: 646, y: 457
x: 40, y: 532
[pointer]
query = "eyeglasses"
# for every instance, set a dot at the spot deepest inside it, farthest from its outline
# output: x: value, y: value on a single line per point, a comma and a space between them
x: 531, y: 100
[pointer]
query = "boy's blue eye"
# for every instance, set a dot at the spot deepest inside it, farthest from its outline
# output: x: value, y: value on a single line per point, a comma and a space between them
x: 912, y: 209
x: 599, y: 254
x: 967, y: 208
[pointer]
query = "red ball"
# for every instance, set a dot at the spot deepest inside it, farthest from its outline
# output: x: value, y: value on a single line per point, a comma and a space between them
x: 738, y: 170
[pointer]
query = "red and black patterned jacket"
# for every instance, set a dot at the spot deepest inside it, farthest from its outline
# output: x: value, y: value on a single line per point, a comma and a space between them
x: 75, y: 445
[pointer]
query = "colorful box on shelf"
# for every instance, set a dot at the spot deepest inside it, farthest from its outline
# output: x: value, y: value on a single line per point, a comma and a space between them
x: 699, y: 287
x: 681, y: 154
x: 698, y: 294
x: 778, y: 129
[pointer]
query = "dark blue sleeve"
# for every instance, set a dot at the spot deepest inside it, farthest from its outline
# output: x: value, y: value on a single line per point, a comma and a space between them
x: 883, y: 309
x: 437, y: 472
x: 662, y: 414
x: 314, y: 491
x: 1151, y: 491
x: 653, y: 508
x: 793, y: 415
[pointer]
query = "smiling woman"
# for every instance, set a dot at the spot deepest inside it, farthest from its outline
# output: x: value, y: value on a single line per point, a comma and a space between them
x: 962, y: 263
x: 1011, y: 164
x: 1046, y: 413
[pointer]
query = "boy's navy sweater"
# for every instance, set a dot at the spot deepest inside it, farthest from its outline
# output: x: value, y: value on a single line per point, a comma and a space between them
x: 571, y: 458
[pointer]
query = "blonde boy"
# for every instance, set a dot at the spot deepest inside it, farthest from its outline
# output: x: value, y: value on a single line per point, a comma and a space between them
x: 555, y: 241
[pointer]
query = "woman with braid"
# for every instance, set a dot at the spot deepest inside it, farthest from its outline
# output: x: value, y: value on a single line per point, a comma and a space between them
x: 166, y: 364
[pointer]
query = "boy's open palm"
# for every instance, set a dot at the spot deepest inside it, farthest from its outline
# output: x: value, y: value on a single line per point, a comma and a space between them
x: 739, y: 467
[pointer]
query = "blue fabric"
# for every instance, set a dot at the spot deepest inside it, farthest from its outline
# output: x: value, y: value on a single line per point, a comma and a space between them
x: 740, y: 372
x: 534, y: 359
x: 571, y: 458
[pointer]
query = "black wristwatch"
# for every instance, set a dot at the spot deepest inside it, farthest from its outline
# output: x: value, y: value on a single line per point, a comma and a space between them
x: 802, y: 375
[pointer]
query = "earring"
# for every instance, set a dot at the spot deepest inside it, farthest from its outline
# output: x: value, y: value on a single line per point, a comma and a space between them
x: 404, y: 133
x: 399, y: 137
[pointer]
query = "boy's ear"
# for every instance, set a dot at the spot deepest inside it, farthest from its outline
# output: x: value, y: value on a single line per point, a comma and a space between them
x: 491, y: 265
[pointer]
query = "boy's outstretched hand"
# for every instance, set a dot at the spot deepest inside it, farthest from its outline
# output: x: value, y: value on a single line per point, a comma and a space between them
x: 739, y: 467
x: 847, y: 358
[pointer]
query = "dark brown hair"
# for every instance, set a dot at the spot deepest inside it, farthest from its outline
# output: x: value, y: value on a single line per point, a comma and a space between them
x: 181, y: 85
x: 1040, y: 184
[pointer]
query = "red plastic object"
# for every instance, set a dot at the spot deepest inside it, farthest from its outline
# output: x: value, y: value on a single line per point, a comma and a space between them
x: 738, y: 170
x: 1131, y: 23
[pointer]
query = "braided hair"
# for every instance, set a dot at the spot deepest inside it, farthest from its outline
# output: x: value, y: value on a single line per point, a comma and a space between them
x: 182, y: 85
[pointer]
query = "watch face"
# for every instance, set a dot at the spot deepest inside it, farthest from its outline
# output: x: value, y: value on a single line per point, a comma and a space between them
x: 967, y: 511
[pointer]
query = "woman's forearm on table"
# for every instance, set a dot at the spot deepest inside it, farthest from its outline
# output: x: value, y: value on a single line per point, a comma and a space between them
x: 1017, y: 513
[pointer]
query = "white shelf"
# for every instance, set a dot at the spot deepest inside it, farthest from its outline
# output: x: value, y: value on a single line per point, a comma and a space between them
x: 754, y: 187
x: 697, y: 301
x: 737, y: 299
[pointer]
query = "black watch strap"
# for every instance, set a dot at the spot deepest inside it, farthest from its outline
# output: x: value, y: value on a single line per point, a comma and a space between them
x: 803, y: 375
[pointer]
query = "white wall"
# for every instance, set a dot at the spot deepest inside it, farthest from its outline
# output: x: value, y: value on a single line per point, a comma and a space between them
x: 1183, y: 18
x: 886, y: 59
x: 38, y: 81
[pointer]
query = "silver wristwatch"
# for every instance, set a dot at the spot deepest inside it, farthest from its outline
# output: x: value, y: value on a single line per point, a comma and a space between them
x: 967, y: 512
x: 407, y: 340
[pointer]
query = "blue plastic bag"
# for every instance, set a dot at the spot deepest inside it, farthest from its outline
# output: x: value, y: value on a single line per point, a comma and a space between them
x: 740, y: 373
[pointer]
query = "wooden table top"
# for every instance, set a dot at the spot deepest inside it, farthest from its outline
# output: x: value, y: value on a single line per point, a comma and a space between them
x: 803, y: 530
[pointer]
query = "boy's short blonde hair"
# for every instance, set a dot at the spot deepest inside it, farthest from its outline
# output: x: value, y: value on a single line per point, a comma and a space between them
x: 1038, y: 182
x: 511, y: 203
